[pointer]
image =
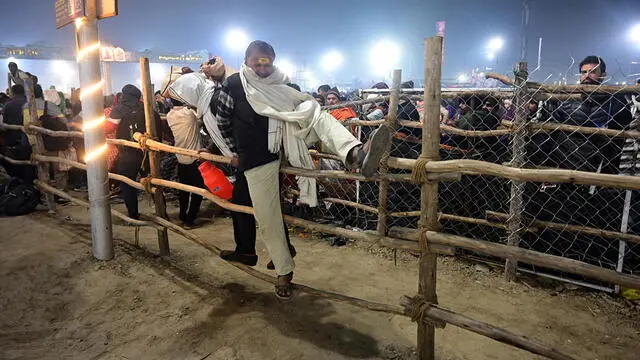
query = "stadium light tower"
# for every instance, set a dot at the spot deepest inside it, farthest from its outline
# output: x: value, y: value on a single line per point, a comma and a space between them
x: 332, y: 60
x: 385, y: 56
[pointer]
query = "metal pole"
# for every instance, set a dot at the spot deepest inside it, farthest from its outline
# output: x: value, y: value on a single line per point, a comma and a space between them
x: 516, y: 206
x: 94, y: 139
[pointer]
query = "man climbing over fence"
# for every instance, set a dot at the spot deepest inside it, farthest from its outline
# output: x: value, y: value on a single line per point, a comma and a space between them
x: 260, y: 116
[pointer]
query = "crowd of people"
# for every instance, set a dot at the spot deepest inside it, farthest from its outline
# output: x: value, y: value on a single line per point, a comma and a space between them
x: 260, y: 119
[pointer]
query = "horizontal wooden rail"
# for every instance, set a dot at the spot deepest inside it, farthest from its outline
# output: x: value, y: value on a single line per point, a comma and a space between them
x: 612, y: 235
x: 433, y: 312
x: 477, y: 167
x: 551, y: 126
x: 536, y: 258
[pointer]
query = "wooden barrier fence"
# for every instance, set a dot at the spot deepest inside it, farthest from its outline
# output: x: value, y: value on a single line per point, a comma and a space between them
x: 424, y: 308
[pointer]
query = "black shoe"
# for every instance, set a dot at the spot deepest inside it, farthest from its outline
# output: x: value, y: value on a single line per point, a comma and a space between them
x: 293, y: 252
x: 232, y: 256
x: 379, y: 143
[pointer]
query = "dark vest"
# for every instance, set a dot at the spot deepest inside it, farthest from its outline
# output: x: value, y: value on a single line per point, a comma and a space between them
x: 250, y: 130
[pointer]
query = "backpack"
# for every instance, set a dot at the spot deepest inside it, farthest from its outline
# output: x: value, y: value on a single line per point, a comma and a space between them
x: 18, y: 198
x: 52, y: 143
x: 133, y: 120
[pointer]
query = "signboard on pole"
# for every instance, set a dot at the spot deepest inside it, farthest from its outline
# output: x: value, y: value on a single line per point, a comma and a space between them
x: 107, y: 8
x: 67, y: 11
x: 440, y: 27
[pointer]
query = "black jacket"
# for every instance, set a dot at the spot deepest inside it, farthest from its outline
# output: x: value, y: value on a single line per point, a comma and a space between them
x: 575, y: 151
x: 250, y: 130
x: 12, y: 115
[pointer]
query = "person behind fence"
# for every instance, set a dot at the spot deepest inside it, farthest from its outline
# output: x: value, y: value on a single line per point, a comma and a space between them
x: 483, y: 119
x: 15, y: 75
x: 323, y: 90
x: 16, y: 144
x: 183, y: 123
x: 128, y: 117
x: 585, y: 205
x: 341, y: 114
x: 584, y: 152
x: 261, y: 117
x: 51, y: 118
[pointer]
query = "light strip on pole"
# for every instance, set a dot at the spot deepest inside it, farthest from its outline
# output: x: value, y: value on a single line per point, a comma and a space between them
x: 95, y: 153
x: 88, y: 125
x: 87, y: 49
x: 91, y: 89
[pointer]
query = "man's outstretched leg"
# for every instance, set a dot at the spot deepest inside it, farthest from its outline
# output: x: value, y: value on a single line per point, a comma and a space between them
x: 352, y: 152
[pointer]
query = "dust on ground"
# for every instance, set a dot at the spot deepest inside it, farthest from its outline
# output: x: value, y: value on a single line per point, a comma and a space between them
x: 56, y: 301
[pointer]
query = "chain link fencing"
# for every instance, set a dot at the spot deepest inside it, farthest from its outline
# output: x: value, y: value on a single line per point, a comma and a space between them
x: 528, y: 125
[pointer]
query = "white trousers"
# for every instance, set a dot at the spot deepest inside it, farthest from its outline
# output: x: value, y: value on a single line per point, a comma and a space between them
x: 336, y: 139
x: 264, y: 189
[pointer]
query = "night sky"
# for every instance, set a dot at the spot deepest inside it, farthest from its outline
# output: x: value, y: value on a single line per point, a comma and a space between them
x: 301, y: 31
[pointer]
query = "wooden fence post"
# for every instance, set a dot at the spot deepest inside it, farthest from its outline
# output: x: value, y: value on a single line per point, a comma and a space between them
x: 429, y: 190
x: 392, y: 123
x: 43, y: 168
x: 514, y: 223
x: 154, y: 160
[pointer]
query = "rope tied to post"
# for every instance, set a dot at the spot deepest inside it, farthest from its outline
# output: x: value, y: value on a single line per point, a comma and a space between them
x: 416, y: 308
x: 146, y: 183
x: 419, y: 171
x: 423, y: 228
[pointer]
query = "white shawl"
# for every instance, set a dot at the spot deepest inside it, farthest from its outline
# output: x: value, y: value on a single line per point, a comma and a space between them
x: 292, y: 115
x: 196, y: 90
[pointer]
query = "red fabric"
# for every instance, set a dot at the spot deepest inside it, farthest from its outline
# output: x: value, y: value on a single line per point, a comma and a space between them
x: 345, y: 114
x: 112, y: 150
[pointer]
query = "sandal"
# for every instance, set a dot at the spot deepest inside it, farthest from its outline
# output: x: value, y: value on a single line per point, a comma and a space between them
x: 293, y: 252
x: 284, y: 291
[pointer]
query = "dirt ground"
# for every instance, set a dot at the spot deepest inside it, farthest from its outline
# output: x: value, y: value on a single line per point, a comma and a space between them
x: 57, y: 302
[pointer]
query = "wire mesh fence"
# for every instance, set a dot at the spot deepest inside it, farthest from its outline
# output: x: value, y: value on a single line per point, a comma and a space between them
x: 529, y: 125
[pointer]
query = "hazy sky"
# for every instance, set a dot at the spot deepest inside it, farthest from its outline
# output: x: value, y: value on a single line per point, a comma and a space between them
x: 302, y: 31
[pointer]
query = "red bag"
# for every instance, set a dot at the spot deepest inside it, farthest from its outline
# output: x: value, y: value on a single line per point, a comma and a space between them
x: 216, y: 182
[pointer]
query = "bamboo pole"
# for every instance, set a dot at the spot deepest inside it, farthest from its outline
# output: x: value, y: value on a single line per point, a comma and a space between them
x: 481, y: 247
x: 352, y: 204
x: 429, y: 191
x: 495, y: 333
x: 17, y: 162
x: 477, y: 167
x: 112, y: 176
x: 551, y: 126
x: 43, y: 168
x: 613, y: 235
x: 159, y: 146
x: 48, y: 188
x: 514, y: 223
x: 448, y: 129
x: 536, y: 258
x: 432, y: 312
x: 154, y: 160
x: 356, y: 103
x: 581, y: 88
x: 392, y: 122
